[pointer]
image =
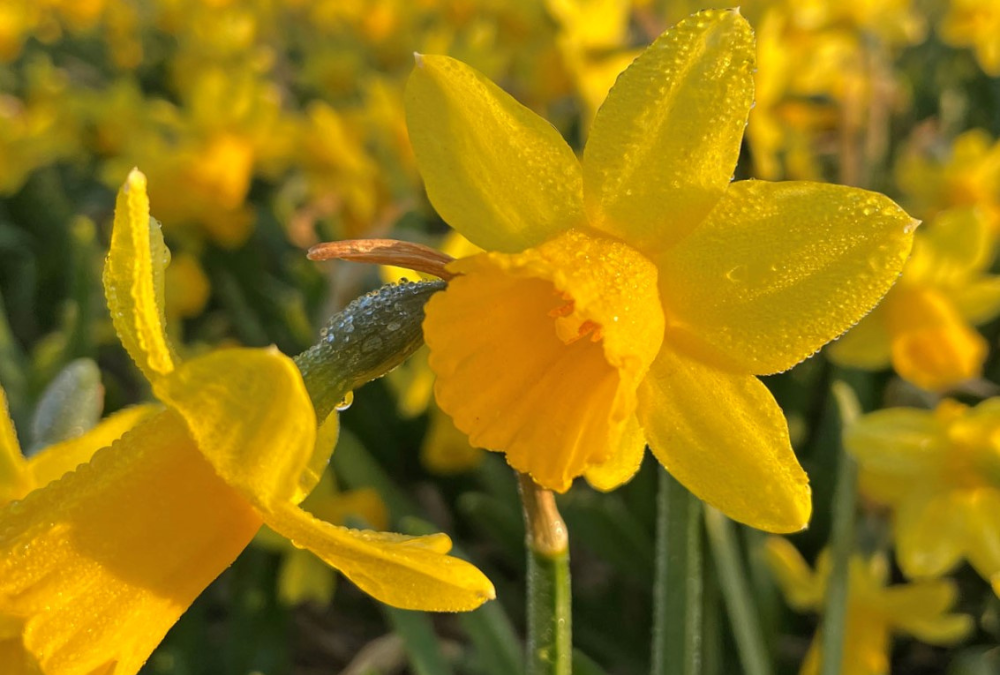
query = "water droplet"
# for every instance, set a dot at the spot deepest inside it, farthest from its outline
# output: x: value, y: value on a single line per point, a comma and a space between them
x: 738, y: 273
x: 393, y: 326
x: 345, y: 402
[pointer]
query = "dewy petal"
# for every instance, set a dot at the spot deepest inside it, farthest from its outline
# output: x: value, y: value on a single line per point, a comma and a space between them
x: 495, y: 171
x: 250, y: 414
x: 777, y: 270
x: 623, y: 462
x: 665, y: 143
x: 15, y: 479
x: 133, y: 280
x: 539, y: 354
x: 723, y: 436
x: 101, y: 563
x: 51, y: 463
x: 405, y: 572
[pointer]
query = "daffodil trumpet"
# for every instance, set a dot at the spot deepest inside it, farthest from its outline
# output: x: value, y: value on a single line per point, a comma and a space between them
x: 96, y: 566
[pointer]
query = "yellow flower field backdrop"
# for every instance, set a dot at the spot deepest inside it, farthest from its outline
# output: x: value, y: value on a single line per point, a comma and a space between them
x: 760, y: 243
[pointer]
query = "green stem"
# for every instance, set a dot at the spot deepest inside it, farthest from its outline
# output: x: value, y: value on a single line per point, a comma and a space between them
x: 677, y: 607
x: 743, y: 614
x: 841, y: 541
x: 550, y: 643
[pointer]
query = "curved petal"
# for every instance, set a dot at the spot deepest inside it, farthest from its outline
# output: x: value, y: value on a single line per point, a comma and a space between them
x: 623, y: 463
x: 51, y: 463
x: 906, y: 441
x: 250, y: 414
x: 495, y: 171
x: 133, y: 280
x: 723, y: 436
x: 802, y: 263
x: 930, y: 535
x: 921, y: 609
x: 15, y: 479
x: 101, y: 563
x: 405, y: 572
x: 665, y: 143
x: 982, y: 521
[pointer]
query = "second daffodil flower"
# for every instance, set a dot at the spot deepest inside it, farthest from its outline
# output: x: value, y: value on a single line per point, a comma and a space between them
x: 633, y: 296
x: 96, y: 566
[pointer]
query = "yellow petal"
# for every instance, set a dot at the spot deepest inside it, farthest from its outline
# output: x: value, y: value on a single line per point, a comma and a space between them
x: 932, y: 345
x: 906, y: 441
x: 982, y: 523
x: 920, y: 609
x: 978, y: 301
x: 250, y: 414
x: 780, y: 269
x: 15, y: 479
x: 930, y: 535
x: 538, y: 354
x: 133, y: 280
x: 866, y: 345
x: 405, y: 572
x: 495, y: 171
x: 56, y: 460
x: 665, y: 143
x: 723, y: 436
x: 101, y: 563
x: 798, y: 584
x: 623, y: 462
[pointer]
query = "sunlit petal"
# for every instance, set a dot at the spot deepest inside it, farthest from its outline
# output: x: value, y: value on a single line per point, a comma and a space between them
x: 779, y: 269
x: 665, y: 142
x: 133, y: 280
x: 495, y: 171
x: 723, y: 437
x: 406, y: 572
x: 250, y: 414
x: 102, y: 562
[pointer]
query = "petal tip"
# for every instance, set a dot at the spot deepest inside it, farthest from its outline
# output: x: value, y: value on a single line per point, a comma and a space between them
x: 136, y: 179
x: 418, y: 59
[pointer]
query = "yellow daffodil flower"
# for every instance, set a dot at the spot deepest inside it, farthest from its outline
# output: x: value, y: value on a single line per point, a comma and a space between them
x: 936, y: 176
x: 96, y: 567
x: 20, y: 475
x: 875, y: 611
x: 635, y: 295
x: 925, y: 325
x: 939, y: 472
x: 975, y: 23
x: 302, y: 576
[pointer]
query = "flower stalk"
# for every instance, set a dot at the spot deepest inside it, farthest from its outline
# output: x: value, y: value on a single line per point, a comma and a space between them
x: 677, y: 599
x: 550, y: 643
x: 841, y: 540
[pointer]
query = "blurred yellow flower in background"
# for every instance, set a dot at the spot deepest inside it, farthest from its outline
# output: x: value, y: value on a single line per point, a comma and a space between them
x: 936, y: 175
x: 875, y: 611
x: 976, y: 24
x: 634, y: 296
x: 96, y: 567
x: 925, y: 326
x: 939, y: 473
